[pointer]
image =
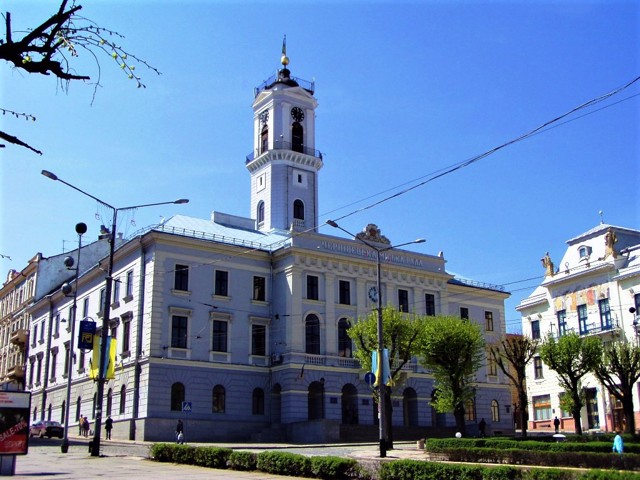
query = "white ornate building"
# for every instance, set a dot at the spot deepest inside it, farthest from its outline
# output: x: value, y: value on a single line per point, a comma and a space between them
x: 245, y: 319
x: 589, y: 292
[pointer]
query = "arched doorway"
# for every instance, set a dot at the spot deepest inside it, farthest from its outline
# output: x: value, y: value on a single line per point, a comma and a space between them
x: 410, y: 407
x: 316, y: 401
x: 349, y: 404
x: 276, y: 415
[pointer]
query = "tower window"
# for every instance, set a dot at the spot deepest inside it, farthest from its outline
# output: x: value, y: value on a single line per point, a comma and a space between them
x: 260, y: 213
x: 297, y: 135
x: 298, y: 210
x: 264, y: 139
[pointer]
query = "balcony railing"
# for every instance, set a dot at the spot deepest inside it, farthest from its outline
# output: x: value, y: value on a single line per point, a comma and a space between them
x: 282, y: 145
x: 307, y: 85
x: 589, y: 329
x: 20, y: 337
x: 15, y: 372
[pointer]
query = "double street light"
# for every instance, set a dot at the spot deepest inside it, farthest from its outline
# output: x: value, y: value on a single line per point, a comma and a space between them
x: 102, y: 370
x: 382, y: 415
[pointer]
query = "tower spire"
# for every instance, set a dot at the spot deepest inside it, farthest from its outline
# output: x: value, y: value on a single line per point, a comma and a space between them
x: 284, y: 60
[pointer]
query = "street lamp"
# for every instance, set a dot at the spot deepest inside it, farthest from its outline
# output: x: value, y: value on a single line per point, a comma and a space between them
x: 381, y: 386
x: 81, y: 229
x: 95, y: 444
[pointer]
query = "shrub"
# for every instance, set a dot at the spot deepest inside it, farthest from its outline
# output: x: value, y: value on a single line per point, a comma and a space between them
x: 212, y: 457
x: 334, y: 468
x: 239, y: 460
x: 549, y: 474
x: 284, y: 463
x: 162, y: 452
x: 608, y: 475
x: 184, y: 454
x: 502, y: 473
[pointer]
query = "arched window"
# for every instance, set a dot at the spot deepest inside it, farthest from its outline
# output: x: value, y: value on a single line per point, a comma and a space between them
x: 264, y: 139
x: 78, y: 405
x: 218, y: 399
x: 297, y: 137
x: 93, y: 405
x: 109, y: 402
x: 49, y: 412
x: 298, y: 209
x: 63, y: 411
x: 470, y: 410
x: 315, y: 401
x: 260, y: 212
x: 345, y: 347
x: 495, y: 411
x: 177, y: 396
x: 123, y: 399
x: 312, y: 334
x: 35, y: 413
x: 349, y: 405
x: 258, y: 402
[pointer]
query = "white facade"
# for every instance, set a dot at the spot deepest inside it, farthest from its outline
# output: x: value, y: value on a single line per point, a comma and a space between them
x: 245, y: 317
x: 589, y: 292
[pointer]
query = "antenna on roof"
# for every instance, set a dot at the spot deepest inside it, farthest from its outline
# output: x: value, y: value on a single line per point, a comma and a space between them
x: 601, y: 217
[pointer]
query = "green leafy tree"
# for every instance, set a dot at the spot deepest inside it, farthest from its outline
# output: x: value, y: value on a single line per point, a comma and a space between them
x: 49, y: 49
x: 453, y: 349
x: 572, y: 357
x: 619, y: 370
x: 400, y: 337
x: 512, y: 355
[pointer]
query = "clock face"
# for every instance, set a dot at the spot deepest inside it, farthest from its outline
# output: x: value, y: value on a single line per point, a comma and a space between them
x: 297, y: 114
x: 373, y: 294
x: 264, y: 117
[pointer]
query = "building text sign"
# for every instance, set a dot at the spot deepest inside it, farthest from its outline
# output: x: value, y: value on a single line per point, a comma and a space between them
x: 14, y: 422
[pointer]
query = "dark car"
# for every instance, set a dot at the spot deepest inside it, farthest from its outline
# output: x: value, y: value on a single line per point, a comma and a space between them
x: 46, y: 428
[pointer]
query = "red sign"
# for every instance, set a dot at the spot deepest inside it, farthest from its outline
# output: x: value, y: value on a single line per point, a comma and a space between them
x: 14, y: 422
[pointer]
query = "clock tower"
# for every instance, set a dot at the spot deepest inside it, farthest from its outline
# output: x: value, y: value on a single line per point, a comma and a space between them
x: 284, y: 163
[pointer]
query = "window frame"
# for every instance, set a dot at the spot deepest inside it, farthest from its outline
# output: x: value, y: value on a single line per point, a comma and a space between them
x: 221, y: 283
x: 259, y: 288
x: 488, y: 321
x: 313, y: 287
x: 181, y: 277
x: 403, y: 300
x: 312, y: 334
x: 344, y: 292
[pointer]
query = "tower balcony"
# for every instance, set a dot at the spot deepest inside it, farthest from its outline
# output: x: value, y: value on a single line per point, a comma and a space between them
x: 282, y: 145
x: 20, y: 337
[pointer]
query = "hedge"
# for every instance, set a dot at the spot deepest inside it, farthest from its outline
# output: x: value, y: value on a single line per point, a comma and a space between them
x: 438, y: 444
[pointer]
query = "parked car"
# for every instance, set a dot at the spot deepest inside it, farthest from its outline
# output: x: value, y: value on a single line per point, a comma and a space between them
x: 46, y: 428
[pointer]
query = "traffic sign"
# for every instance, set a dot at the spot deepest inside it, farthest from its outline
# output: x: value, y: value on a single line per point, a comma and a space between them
x: 186, y: 407
x: 370, y: 378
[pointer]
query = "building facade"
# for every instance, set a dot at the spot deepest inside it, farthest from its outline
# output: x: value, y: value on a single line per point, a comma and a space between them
x: 238, y: 326
x: 590, y: 292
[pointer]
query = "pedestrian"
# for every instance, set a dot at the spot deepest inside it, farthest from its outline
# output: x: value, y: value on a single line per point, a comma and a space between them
x: 618, y: 443
x: 481, y: 427
x: 179, y: 432
x: 556, y: 424
x: 86, y: 425
x: 108, y: 425
x: 81, y: 426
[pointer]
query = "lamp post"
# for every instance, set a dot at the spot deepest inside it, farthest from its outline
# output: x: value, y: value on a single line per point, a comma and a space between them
x: 381, y: 386
x: 81, y: 229
x: 102, y: 370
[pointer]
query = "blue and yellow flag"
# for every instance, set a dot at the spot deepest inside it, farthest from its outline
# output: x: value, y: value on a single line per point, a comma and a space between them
x: 108, y: 370
x: 381, y: 368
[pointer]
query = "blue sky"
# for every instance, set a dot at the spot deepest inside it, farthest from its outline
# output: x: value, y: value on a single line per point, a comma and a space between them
x: 405, y: 88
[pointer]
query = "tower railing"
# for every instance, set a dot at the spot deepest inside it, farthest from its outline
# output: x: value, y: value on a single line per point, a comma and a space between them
x: 282, y: 145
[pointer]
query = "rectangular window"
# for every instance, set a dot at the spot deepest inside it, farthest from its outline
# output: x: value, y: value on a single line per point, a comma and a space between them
x: 56, y: 325
x: 221, y: 287
x: 605, y: 314
x: 219, y: 339
x: 103, y: 294
x: 312, y: 287
x: 537, y: 368
x: 39, y: 368
x: 492, y: 367
x: 179, y: 331
x: 126, y: 335
x: 85, y: 308
x: 116, y: 290
x: 535, y: 329
x: 35, y: 335
x: 561, y: 315
x: 66, y: 358
x: 542, y: 407
x: 488, y: 321
x: 181, y: 278
x: 54, y: 361
x: 429, y: 304
x: 464, y: 313
x: 345, y: 292
x: 81, y: 361
x: 41, y: 339
x: 582, y: 319
x: 130, y: 283
x: 258, y: 340
x: 403, y: 300
x: 259, y: 289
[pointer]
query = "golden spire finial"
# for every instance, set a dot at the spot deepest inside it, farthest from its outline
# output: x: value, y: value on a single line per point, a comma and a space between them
x: 284, y: 60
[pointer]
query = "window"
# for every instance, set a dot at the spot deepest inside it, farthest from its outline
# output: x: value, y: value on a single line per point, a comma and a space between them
x: 535, y: 329
x: 563, y: 413
x: 492, y: 367
x: 537, y: 368
x: 54, y: 358
x: 109, y: 402
x: 179, y: 331
x: 312, y: 335
x: 32, y: 361
x: 66, y: 358
x: 464, y: 313
x: 470, y: 410
x: 103, y: 294
x: 264, y: 139
x: 116, y: 290
x: 542, y: 407
x: 259, y: 289
x: 582, y: 319
x: 298, y: 209
x: 35, y: 335
x: 181, y: 280
x: 221, y: 287
x: 429, y: 304
x: 85, y: 308
x: 495, y: 411
x: 258, y: 402
x: 78, y: 405
x: 260, y: 212
x: 561, y: 315
x: 403, y: 300
x: 219, y: 337
x: 345, y: 347
x: 93, y: 405
x: 258, y: 340
x: 177, y: 396
x: 41, y: 339
x: 130, y: 283
x: 81, y: 361
x: 344, y: 287
x: 126, y: 335
x: 605, y: 314
x: 584, y: 252
x: 218, y: 399
x: 123, y: 399
x: 312, y: 287
x: 39, y: 368
x: 488, y: 321
x: 56, y: 325
x: 297, y: 135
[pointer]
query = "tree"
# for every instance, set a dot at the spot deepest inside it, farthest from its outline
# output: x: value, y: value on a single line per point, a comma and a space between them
x: 400, y: 337
x: 453, y: 349
x: 572, y: 357
x: 512, y: 355
x: 619, y: 370
x: 49, y: 49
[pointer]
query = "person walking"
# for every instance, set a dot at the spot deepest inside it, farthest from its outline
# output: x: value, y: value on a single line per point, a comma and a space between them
x: 179, y: 432
x: 108, y: 425
x: 81, y: 425
x: 86, y: 425
x: 556, y: 424
x: 618, y: 443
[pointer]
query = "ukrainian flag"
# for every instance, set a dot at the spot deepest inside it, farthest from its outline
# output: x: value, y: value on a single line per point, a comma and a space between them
x: 380, y: 366
x: 108, y: 370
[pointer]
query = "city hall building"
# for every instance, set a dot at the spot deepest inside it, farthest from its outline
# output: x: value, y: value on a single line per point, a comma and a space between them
x: 238, y: 326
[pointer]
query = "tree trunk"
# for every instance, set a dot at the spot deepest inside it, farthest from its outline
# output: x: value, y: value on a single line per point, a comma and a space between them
x: 576, y: 421
x: 524, y: 413
x: 458, y: 413
x: 629, y: 414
